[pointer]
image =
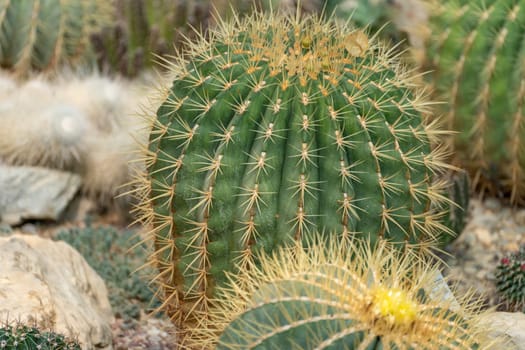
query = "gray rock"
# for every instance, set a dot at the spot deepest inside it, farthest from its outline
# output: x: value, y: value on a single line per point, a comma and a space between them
x: 439, y: 290
x: 50, y: 283
x: 34, y: 193
x: 509, y: 325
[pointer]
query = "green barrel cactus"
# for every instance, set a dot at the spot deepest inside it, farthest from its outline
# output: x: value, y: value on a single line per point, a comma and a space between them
x: 478, y: 60
x: 277, y: 127
x: 342, y: 297
x: 510, y: 280
x: 41, y: 34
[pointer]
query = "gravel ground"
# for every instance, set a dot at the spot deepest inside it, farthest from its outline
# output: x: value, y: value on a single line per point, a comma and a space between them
x: 150, y: 333
x: 493, y: 230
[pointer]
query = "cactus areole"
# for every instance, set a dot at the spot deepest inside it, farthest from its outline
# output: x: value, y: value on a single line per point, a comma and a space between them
x: 277, y: 127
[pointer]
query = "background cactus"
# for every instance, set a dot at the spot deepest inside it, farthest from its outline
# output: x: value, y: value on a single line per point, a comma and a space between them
x: 274, y: 128
x: 39, y: 35
x: 478, y: 61
x: 341, y: 297
x: 144, y: 29
x: 147, y: 31
x: 19, y: 336
x: 510, y: 278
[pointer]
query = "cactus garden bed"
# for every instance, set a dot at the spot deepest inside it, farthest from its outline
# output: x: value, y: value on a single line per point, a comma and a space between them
x: 272, y: 135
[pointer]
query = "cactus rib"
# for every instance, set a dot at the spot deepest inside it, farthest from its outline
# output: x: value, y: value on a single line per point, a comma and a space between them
x: 40, y: 35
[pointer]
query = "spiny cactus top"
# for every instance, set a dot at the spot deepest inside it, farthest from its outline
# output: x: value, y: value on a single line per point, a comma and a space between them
x: 37, y: 34
x: 510, y: 280
x: 478, y: 57
x: 277, y: 127
x: 321, y: 298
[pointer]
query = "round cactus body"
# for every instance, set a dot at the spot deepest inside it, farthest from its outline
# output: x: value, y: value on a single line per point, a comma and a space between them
x: 276, y: 128
x: 38, y: 34
x: 321, y: 298
x: 478, y: 59
x: 510, y: 278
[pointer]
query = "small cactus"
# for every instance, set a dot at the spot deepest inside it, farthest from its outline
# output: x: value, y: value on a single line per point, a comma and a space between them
x: 477, y: 58
x: 81, y: 124
x: 276, y: 127
x: 20, y: 336
x: 39, y: 35
x: 341, y: 297
x: 510, y: 278
x: 40, y: 130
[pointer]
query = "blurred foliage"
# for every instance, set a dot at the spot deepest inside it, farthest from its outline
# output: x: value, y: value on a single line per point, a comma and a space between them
x: 115, y: 256
x: 146, y: 32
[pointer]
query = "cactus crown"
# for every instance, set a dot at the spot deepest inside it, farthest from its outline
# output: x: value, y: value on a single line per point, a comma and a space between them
x: 279, y: 126
x: 340, y: 297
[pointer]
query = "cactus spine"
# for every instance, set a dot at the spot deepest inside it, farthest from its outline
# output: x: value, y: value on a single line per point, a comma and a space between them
x: 277, y: 127
x: 36, y: 34
x: 510, y: 277
x: 478, y: 59
x: 341, y: 297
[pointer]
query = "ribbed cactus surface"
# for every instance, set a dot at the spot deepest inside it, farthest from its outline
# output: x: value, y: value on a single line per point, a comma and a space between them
x: 510, y: 280
x: 40, y: 34
x: 341, y: 297
x: 478, y: 56
x: 277, y: 127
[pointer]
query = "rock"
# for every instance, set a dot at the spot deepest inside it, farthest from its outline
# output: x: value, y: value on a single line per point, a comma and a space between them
x: 510, y: 325
x: 34, y: 193
x: 484, y: 236
x: 439, y: 290
x: 50, y: 283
